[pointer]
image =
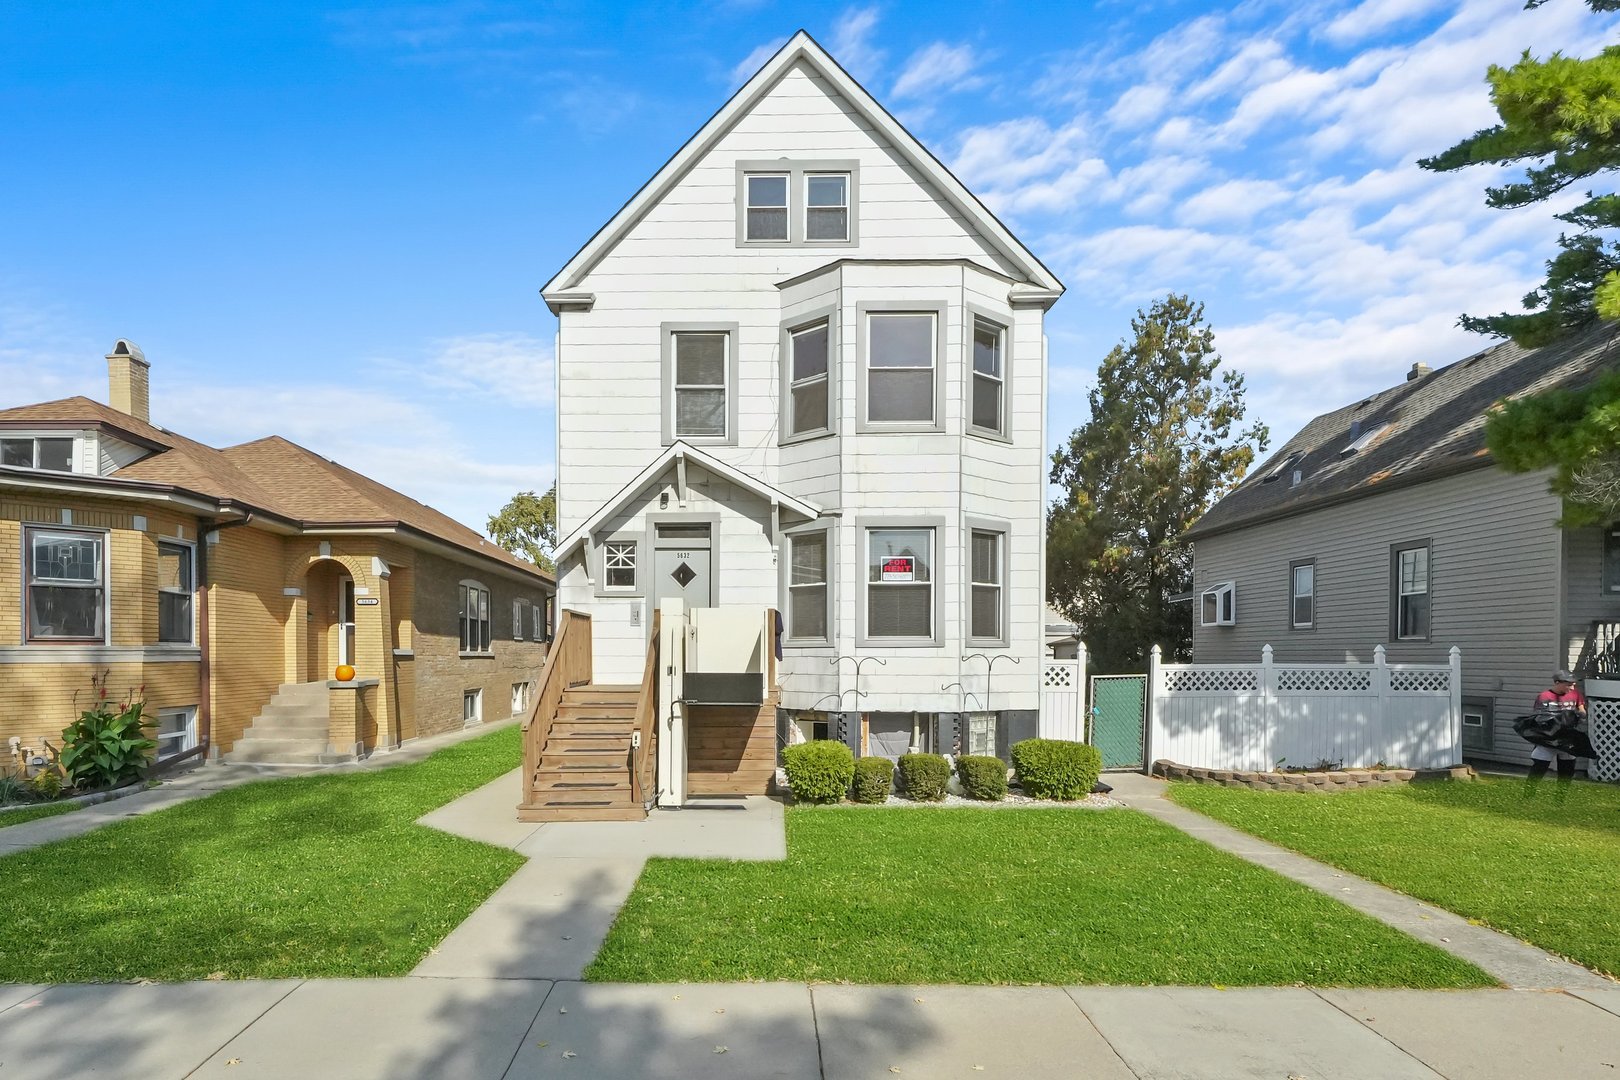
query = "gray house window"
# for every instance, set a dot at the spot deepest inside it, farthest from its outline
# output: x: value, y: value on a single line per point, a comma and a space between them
x: 1409, y: 602
x: 1302, y: 594
x: 826, y: 207
x: 767, y: 213
x: 808, y: 395
x: 700, y: 383
x: 807, y: 587
x: 174, y: 593
x: 474, y: 618
x: 619, y: 564
x: 900, y: 583
x: 900, y: 367
x: 988, y: 580
x: 989, y: 378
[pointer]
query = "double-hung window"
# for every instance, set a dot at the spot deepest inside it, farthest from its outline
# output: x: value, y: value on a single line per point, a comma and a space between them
x: 1302, y: 594
x: 807, y: 586
x: 699, y: 402
x: 988, y: 582
x: 989, y: 378
x: 1410, y: 599
x: 619, y: 564
x: 66, y: 585
x: 474, y: 618
x: 900, y: 360
x: 49, y: 453
x: 826, y: 206
x: 767, y: 211
x: 809, y: 399
x: 900, y: 583
x: 517, y: 620
x: 175, y: 590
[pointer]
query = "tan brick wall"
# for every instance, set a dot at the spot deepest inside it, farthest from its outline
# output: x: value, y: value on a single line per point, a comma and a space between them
x: 248, y: 613
x: 37, y: 700
x: 440, y: 672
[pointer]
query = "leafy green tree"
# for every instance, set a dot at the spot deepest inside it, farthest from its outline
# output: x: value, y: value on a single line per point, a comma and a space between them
x: 1164, y: 441
x: 1560, y: 119
x: 527, y: 526
x: 1574, y: 432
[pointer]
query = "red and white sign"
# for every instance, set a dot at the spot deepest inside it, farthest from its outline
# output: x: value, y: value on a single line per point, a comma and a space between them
x: 900, y: 568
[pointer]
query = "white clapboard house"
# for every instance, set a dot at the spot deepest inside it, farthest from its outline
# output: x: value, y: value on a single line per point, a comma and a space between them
x: 802, y: 371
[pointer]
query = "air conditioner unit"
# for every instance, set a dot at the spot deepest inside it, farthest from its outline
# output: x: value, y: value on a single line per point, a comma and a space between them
x: 1217, y: 605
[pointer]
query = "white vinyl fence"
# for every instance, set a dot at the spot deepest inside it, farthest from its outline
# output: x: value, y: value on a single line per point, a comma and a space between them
x: 1252, y: 716
x: 1063, y: 698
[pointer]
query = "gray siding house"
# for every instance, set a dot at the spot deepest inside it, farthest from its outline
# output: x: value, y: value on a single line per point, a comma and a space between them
x: 1387, y: 523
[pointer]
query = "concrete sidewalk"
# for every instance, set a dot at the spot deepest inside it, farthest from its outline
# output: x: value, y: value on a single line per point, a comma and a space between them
x: 205, y: 780
x: 450, y: 1029
x: 1515, y: 963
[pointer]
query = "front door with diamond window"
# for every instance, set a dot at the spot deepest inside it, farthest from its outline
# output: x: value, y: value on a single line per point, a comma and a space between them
x: 683, y: 570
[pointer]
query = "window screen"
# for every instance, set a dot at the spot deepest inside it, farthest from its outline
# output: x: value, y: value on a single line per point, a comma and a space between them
x: 900, y: 589
x: 900, y: 368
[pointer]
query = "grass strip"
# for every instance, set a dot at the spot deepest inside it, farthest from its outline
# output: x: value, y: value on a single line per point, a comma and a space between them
x: 1541, y: 865
x: 991, y: 897
x: 20, y: 814
x: 314, y: 876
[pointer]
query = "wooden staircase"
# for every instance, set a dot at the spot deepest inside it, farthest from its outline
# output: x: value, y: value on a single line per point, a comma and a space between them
x: 584, y: 770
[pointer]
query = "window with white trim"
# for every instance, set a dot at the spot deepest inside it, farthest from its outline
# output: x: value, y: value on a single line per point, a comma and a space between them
x: 65, y: 585
x: 50, y: 453
x: 474, y: 617
x: 767, y: 213
x: 175, y: 590
x: 987, y: 571
x: 472, y: 707
x: 826, y: 206
x: 700, y: 383
x: 520, y: 698
x: 900, y: 583
x: 900, y: 361
x: 619, y: 564
x: 807, y: 586
x: 989, y: 378
x: 176, y: 732
x: 809, y: 383
x: 1410, y: 602
x: 1302, y: 594
x: 1217, y: 605
x: 541, y: 613
x: 517, y: 620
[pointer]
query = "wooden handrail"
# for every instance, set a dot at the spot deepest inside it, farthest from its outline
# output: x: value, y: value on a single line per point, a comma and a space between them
x: 769, y: 665
x: 568, y: 663
x: 646, y: 720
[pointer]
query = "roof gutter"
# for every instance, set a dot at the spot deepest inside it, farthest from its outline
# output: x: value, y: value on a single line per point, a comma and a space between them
x: 424, y: 540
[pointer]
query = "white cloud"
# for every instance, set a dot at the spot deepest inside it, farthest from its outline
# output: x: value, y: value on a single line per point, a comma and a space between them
x: 1024, y: 165
x: 852, y: 43
x: 1374, y: 16
x: 938, y: 67
x: 1233, y: 202
x: 1140, y: 104
x: 755, y: 60
x: 511, y: 367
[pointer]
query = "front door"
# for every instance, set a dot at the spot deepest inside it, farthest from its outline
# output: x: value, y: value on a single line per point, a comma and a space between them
x: 681, y: 565
x: 345, y: 626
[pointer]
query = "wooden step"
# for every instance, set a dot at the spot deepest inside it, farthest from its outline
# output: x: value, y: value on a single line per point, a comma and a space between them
x: 611, y: 789
x: 587, y: 729
x: 569, y: 711
x: 594, y: 744
x: 577, y: 775
x: 585, y: 797
x: 590, y: 758
x: 602, y: 693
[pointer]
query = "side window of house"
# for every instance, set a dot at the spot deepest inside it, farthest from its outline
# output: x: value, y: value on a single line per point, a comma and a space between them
x: 700, y: 383
x: 517, y: 620
x: 176, y: 732
x: 1611, y: 560
x: 1409, y: 604
x: 807, y: 587
x: 767, y: 212
x: 66, y: 585
x: 474, y: 618
x: 900, y: 583
x: 826, y: 206
x: 809, y: 399
x: 619, y: 564
x: 987, y: 554
x: 175, y: 588
x: 989, y: 378
x: 1302, y: 594
x: 900, y: 367
x: 472, y: 707
x: 51, y: 454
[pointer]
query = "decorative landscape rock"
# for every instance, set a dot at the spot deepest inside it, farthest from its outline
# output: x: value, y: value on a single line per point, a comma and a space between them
x: 1335, y: 780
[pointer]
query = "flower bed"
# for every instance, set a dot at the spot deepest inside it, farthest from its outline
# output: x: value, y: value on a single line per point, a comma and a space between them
x: 1324, y: 780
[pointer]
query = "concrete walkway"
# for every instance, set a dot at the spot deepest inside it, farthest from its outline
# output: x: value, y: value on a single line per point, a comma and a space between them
x: 550, y: 918
x: 1514, y: 962
x: 473, y: 1029
x: 205, y: 780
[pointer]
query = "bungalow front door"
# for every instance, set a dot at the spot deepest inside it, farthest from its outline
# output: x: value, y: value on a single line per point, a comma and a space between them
x: 681, y: 565
x: 345, y: 625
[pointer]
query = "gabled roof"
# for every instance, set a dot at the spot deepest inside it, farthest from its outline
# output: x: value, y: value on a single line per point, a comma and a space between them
x: 801, y: 48
x: 676, y: 452
x: 1430, y: 426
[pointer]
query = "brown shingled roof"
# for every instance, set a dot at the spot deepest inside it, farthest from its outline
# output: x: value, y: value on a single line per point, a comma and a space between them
x: 1426, y: 427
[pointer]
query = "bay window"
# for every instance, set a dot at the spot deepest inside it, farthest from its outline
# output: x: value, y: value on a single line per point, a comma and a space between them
x: 987, y: 574
x: 901, y: 353
x: 807, y: 587
x: 900, y: 583
x: 988, y: 406
x: 809, y: 381
x: 66, y: 585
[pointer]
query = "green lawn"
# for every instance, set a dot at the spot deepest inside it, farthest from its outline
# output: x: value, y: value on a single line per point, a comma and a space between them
x: 313, y: 876
x: 1001, y: 896
x: 1544, y: 870
x: 17, y: 815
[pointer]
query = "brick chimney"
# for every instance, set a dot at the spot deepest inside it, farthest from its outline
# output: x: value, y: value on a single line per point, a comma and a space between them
x: 1419, y: 369
x: 127, y: 380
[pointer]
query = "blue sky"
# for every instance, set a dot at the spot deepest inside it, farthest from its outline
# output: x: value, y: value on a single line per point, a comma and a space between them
x: 331, y: 222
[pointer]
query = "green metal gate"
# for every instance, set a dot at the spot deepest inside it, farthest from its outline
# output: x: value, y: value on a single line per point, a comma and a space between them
x: 1118, y: 718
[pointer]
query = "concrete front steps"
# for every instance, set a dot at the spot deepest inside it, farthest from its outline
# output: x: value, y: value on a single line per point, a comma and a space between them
x: 584, y: 773
x: 292, y: 729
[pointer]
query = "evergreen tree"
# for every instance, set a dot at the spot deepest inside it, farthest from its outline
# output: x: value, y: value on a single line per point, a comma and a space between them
x: 1164, y: 441
x: 527, y: 526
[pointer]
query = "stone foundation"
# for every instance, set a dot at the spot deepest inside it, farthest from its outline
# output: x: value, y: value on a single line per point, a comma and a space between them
x: 1344, y: 780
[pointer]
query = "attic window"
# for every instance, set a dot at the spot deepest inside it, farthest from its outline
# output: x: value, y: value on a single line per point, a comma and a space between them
x: 1287, y: 463
x: 49, y: 454
x: 1360, y: 439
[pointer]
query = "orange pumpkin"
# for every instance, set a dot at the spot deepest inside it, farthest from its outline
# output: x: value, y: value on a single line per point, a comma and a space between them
x: 344, y: 673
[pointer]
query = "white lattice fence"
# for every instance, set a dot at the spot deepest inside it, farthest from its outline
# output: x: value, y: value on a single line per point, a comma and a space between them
x: 1603, y: 722
x: 1063, y: 697
x: 1251, y: 716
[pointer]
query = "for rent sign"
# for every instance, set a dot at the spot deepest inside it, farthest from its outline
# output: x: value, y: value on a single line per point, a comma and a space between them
x: 900, y: 568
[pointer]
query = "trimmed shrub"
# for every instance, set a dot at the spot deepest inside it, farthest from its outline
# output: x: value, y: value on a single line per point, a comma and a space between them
x: 1055, y: 769
x: 924, y: 776
x: 818, y: 772
x: 874, y: 779
x: 983, y: 778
